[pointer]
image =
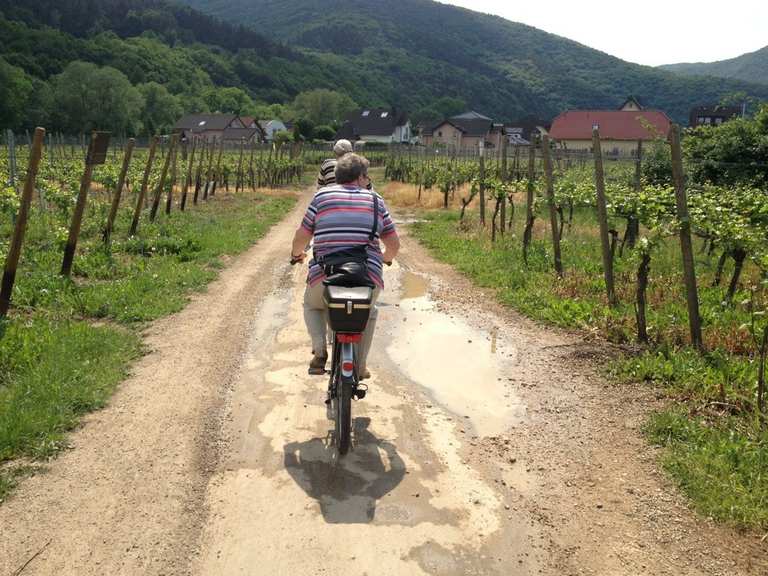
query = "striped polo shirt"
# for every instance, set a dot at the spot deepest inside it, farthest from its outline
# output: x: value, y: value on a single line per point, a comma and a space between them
x: 327, y: 175
x: 341, y: 217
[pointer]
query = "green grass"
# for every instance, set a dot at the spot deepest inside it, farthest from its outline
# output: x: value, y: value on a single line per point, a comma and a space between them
x: 723, y: 469
x: 54, y: 372
x: 69, y: 342
x: 717, y: 453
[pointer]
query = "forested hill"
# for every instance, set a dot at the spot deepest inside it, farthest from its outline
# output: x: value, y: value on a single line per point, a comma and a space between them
x: 128, y: 18
x: 421, y: 49
x: 140, y: 63
x: 134, y: 66
x: 751, y: 67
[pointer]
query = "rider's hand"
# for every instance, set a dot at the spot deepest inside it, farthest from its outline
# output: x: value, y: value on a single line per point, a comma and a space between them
x: 296, y: 258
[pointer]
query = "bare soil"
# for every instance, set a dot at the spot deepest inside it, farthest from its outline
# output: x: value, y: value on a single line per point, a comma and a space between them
x: 487, y: 445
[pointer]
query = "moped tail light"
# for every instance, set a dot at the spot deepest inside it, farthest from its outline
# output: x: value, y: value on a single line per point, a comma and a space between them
x: 349, y: 338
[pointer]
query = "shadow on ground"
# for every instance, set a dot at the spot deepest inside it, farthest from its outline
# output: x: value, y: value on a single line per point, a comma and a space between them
x: 347, y: 488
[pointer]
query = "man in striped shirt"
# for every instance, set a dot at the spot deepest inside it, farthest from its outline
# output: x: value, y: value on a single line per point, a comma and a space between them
x: 327, y: 175
x: 340, y: 217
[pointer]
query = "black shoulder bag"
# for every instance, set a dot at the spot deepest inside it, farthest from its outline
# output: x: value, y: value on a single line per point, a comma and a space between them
x: 349, y: 267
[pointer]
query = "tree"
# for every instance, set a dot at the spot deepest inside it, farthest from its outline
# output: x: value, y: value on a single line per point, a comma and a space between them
x: 733, y: 153
x: 161, y: 109
x: 272, y: 111
x: 89, y: 98
x: 741, y: 99
x: 323, y: 106
x: 427, y: 116
x: 15, y: 91
x: 324, y: 133
x: 282, y: 137
x: 440, y: 109
x: 229, y: 100
x: 447, y: 106
x: 303, y: 130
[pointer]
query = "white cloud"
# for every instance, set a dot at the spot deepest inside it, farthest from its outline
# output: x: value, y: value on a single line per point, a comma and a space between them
x: 649, y: 32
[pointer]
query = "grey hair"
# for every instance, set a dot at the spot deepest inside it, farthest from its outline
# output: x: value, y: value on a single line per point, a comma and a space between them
x: 343, y: 147
x: 350, y: 167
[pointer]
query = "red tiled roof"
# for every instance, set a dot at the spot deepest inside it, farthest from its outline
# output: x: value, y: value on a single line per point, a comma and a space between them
x: 613, y: 124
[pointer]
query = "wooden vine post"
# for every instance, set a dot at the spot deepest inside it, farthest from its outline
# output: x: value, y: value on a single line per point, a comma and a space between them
x: 144, y: 186
x: 20, y: 228
x: 239, y: 182
x: 686, y: 245
x: 602, y: 216
x: 209, y: 172
x: 118, y: 192
x: 199, y: 173
x: 97, y: 154
x: 552, y: 208
x: 169, y: 201
x: 504, y: 180
x: 163, y: 176
x: 482, y: 184
x: 217, y: 174
x: 188, y: 177
x: 530, y: 217
x: 251, y: 175
x: 642, y: 284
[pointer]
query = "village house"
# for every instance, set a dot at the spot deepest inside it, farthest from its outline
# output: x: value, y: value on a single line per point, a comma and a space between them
x: 383, y: 125
x: 466, y: 131
x: 208, y: 127
x: 522, y: 132
x: 713, y: 115
x: 631, y: 104
x: 620, y: 129
x: 247, y: 135
x: 271, y: 127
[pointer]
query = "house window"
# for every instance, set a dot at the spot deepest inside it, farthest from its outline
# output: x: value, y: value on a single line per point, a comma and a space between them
x: 440, y: 134
x: 384, y: 114
x: 718, y: 121
x: 700, y: 120
x: 366, y: 113
x: 707, y: 120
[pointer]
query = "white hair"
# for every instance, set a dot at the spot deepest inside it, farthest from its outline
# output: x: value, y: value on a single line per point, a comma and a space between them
x: 342, y: 147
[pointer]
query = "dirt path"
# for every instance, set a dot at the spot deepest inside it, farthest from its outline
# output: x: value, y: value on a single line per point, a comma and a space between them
x: 486, y: 446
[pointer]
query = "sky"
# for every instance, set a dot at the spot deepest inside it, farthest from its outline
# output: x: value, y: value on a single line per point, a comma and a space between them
x: 648, y: 32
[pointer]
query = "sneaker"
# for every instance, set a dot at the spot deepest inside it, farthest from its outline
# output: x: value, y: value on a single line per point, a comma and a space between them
x: 317, y: 365
x: 360, y: 391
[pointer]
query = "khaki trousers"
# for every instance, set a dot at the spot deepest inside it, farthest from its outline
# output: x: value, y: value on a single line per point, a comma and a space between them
x: 316, y: 319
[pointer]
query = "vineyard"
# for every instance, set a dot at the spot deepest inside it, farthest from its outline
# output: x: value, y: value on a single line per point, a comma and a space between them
x: 674, y: 272
x: 92, y: 250
x: 668, y: 267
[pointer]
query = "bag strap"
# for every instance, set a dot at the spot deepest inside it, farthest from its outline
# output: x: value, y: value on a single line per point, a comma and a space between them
x: 375, y: 229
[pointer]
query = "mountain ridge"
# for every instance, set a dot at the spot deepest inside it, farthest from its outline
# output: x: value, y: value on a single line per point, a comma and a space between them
x: 750, y: 67
x: 504, y: 68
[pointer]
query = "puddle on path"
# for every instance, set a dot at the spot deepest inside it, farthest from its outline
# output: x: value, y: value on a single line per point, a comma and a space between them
x: 459, y: 365
x: 412, y: 285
